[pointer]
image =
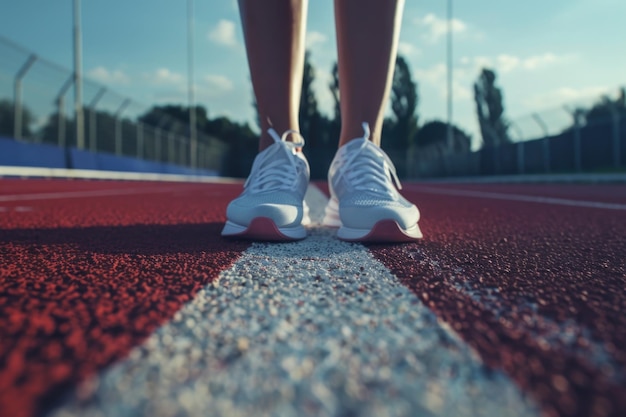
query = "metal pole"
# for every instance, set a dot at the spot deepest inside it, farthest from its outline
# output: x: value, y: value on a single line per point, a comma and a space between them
x: 541, y: 124
x: 139, y: 140
x: 157, y: 145
x: 61, y: 142
x: 521, y: 158
x: 93, y: 119
x: 78, y: 86
x: 118, y: 127
x: 60, y: 100
x: 17, y: 96
x: 449, y: 53
x: 546, y: 141
x: 171, y: 157
x: 616, y: 135
x: 193, y: 145
x: 576, y: 115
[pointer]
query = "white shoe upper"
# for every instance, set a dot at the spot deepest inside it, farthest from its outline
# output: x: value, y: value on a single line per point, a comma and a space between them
x: 276, y: 185
x: 361, y: 180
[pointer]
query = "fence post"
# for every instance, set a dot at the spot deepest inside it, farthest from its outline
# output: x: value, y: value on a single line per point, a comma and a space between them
x: 60, y: 101
x: 17, y: 95
x: 118, y: 127
x: 170, y: 147
x: 521, y: 158
x: 185, y: 144
x: 93, y: 132
x: 201, y: 155
x: 157, y: 145
x: 577, y: 115
x: 139, y: 140
x: 545, y: 142
x: 617, y: 150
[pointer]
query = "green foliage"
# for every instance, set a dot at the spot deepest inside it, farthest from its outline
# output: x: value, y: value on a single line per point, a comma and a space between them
x: 435, y: 134
x: 335, y: 123
x: 308, y: 114
x: 7, y: 119
x: 490, y: 109
x: 403, y: 127
x: 605, y: 108
x: 240, y: 141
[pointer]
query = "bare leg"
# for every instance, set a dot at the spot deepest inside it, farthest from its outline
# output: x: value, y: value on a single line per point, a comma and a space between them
x: 274, y: 32
x: 367, y: 41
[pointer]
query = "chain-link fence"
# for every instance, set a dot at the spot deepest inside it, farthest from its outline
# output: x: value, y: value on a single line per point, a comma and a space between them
x: 586, y: 136
x: 36, y: 105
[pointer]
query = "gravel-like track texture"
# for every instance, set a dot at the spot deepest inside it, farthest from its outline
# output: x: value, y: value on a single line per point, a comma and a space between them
x: 83, y: 280
x: 537, y: 289
x: 313, y: 328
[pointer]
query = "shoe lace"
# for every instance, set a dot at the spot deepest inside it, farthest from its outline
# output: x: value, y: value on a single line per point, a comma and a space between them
x: 276, y: 175
x: 362, y: 169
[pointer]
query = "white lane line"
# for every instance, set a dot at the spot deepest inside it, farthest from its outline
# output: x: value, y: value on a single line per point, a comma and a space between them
x: 17, y: 171
x: 548, y: 333
x: 312, y: 328
x: 84, y: 194
x: 516, y: 197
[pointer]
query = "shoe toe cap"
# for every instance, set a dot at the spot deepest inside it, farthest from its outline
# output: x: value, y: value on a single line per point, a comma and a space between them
x: 282, y: 215
x: 359, y: 217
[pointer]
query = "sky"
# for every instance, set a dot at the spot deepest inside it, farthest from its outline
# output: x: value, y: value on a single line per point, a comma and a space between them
x: 547, y: 54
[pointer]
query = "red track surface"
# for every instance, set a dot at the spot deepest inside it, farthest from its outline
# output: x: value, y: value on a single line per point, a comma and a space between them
x: 515, y: 279
x: 83, y: 280
x: 536, y: 289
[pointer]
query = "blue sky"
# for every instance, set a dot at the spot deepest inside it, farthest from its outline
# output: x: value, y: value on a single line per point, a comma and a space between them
x: 546, y: 53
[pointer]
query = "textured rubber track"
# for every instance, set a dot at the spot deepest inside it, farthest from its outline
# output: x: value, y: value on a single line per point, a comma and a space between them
x: 83, y: 280
x: 537, y: 289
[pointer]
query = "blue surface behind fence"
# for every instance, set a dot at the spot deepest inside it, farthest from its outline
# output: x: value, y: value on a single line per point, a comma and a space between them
x: 16, y: 153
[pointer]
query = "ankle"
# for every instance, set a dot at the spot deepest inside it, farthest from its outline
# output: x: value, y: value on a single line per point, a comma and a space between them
x: 354, y: 131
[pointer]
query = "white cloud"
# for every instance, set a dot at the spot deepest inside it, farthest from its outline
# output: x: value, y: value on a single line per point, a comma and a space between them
x: 566, y: 95
x: 105, y: 76
x: 436, y: 76
x: 224, y: 33
x: 218, y: 83
x: 315, y: 38
x: 408, y: 50
x: 325, y: 99
x: 507, y: 63
x: 538, y: 61
x: 174, y: 87
x: 164, y: 76
x: 433, y: 75
x: 437, y: 28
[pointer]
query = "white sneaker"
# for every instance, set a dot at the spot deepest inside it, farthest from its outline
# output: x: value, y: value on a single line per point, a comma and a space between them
x: 271, y: 206
x: 365, y: 204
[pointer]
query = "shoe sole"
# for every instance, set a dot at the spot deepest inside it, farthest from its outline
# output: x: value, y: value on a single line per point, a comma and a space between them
x: 263, y: 229
x: 384, y: 231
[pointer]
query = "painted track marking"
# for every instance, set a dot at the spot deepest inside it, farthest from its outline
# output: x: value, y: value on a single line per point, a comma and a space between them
x: 517, y: 197
x: 84, y: 194
x: 316, y: 327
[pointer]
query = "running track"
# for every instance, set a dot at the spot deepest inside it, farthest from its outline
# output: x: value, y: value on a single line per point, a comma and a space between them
x: 530, y: 279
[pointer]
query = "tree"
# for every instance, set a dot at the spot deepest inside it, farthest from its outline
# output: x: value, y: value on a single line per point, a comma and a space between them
x: 435, y: 134
x: 335, y: 123
x: 173, y: 117
x: 602, y: 112
x: 403, y: 104
x: 309, y: 116
x: 490, y: 109
x: 58, y: 129
x: 7, y: 119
